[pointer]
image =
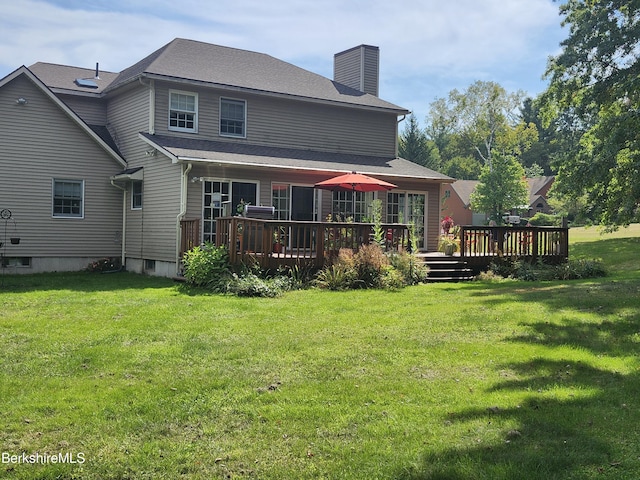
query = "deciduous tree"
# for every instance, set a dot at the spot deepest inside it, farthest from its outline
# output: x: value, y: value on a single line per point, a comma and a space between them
x: 594, y: 99
x: 502, y: 187
x: 476, y: 123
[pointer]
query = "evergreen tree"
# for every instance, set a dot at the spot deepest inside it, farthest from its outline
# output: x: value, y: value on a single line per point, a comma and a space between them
x: 414, y: 146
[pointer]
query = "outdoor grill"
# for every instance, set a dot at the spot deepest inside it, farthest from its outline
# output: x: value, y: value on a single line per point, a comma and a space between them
x: 256, y: 211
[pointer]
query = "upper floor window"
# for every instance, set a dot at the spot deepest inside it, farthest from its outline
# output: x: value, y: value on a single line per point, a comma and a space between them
x: 136, y: 195
x: 68, y: 198
x: 233, y: 117
x: 183, y: 111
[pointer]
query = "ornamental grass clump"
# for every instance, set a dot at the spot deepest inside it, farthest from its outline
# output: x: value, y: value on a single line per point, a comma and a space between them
x: 371, y: 267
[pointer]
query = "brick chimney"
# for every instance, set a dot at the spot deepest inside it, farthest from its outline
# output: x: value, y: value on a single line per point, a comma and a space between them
x: 359, y: 68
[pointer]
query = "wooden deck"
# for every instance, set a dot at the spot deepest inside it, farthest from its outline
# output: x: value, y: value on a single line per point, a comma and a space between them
x: 275, y: 243
x: 479, y: 246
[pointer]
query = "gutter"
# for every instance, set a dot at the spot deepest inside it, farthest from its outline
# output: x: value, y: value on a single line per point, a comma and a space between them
x: 183, y: 207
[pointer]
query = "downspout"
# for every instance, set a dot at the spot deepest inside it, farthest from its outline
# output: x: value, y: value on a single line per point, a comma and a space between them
x: 398, y: 132
x: 124, y: 223
x: 183, y: 208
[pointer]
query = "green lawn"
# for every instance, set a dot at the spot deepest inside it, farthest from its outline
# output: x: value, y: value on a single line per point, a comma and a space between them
x: 134, y: 377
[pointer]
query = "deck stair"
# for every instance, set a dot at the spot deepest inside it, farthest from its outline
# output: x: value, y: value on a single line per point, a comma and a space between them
x: 443, y: 268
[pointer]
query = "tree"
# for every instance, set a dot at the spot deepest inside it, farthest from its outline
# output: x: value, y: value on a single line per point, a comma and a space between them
x: 542, y: 150
x: 414, y: 146
x: 474, y: 123
x: 502, y: 187
x: 594, y: 99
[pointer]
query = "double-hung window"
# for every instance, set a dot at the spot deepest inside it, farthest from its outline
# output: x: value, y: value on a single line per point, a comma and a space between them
x: 68, y: 198
x: 183, y: 111
x: 233, y: 115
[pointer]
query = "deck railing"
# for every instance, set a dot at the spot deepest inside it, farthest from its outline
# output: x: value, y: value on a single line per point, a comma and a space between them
x: 479, y: 245
x: 189, y: 234
x: 272, y: 243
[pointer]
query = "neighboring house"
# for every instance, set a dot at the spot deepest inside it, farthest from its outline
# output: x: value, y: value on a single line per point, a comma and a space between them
x: 538, y: 191
x: 100, y: 164
x: 457, y: 204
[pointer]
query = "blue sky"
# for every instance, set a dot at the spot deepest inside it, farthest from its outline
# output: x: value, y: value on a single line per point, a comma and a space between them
x: 427, y: 47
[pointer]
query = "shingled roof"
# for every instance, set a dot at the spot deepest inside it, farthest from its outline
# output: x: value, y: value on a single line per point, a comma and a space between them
x: 241, y: 154
x: 63, y: 77
x: 227, y: 67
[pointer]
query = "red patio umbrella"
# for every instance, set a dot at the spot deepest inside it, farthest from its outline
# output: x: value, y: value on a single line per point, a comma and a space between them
x: 356, y: 182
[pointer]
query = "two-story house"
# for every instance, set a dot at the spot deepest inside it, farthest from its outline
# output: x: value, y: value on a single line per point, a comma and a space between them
x: 96, y: 164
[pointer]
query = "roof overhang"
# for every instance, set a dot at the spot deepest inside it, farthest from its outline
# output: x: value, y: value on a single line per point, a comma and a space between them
x: 128, y: 175
x: 181, y: 150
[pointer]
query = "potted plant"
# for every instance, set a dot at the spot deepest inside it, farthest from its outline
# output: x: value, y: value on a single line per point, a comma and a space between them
x: 278, y: 246
x: 446, y: 224
x: 447, y: 245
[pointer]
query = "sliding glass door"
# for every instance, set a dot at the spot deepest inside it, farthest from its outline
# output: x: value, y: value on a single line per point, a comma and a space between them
x: 221, y: 199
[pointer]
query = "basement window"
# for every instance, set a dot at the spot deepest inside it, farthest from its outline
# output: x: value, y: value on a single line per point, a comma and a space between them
x: 16, y: 262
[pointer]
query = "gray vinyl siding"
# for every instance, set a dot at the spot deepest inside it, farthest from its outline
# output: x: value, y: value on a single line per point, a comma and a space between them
x: 92, y: 110
x: 38, y: 143
x: 151, y: 232
x: 161, y: 205
x: 358, y: 68
x: 288, y: 123
x: 128, y: 114
x: 371, y: 71
x: 347, y: 68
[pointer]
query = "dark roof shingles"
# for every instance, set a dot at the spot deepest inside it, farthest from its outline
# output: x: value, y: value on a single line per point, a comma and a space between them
x: 232, y: 67
x: 291, y: 158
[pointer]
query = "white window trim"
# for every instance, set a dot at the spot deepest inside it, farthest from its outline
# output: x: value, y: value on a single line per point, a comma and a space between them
x: 133, y: 182
x: 244, y: 130
x: 53, y: 195
x: 229, y: 180
x: 195, y: 112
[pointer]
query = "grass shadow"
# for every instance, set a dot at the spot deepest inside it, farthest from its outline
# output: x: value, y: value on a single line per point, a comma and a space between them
x: 573, y: 420
x: 81, y: 282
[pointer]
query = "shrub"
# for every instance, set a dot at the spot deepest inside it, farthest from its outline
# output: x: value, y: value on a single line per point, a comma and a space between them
x: 208, y: 266
x: 576, y: 269
x: 301, y: 275
x: 109, y: 264
x: 391, y: 279
x: 412, y: 269
x: 520, y: 270
x: 370, y: 263
x: 251, y: 285
x: 335, y: 277
x: 545, y: 220
x: 370, y: 267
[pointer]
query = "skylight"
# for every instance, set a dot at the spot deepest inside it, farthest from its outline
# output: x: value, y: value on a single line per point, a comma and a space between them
x: 85, y: 83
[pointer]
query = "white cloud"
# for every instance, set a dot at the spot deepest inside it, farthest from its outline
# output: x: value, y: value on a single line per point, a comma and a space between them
x: 425, y: 44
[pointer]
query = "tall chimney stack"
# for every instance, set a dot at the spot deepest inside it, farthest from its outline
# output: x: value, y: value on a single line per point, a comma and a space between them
x: 359, y: 68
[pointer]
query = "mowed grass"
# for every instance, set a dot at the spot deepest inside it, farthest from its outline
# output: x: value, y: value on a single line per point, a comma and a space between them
x: 143, y: 379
